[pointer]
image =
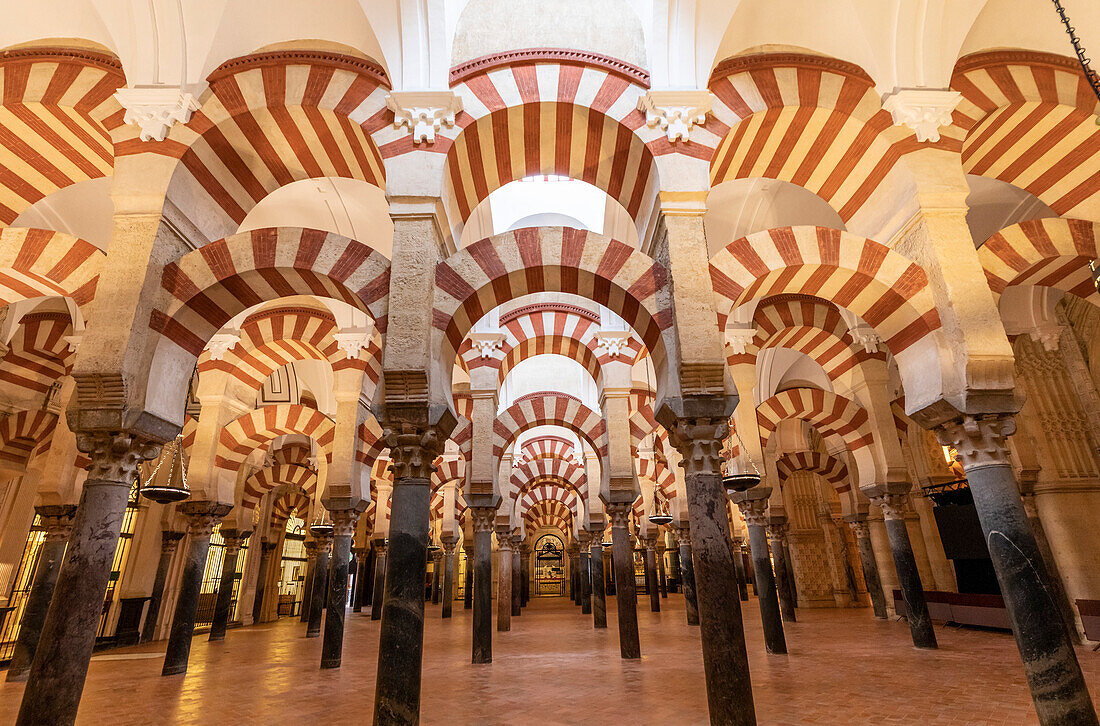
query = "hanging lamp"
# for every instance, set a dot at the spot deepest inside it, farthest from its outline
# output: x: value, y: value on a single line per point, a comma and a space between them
x: 741, y: 481
x: 168, y: 482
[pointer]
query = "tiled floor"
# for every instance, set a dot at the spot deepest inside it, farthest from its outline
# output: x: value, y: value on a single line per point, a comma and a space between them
x: 553, y: 668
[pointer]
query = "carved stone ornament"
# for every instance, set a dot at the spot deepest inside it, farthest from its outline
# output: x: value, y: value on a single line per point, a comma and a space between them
x: 202, y: 525
x: 893, y: 505
x: 778, y: 530
x: 866, y: 338
x: 221, y: 344
x: 619, y: 514
x: 860, y: 529
x: 343, y: 522
x: 738, y: 339
x: 449, y: 547
x: 924, y: 110
x: 352, y: 342
x: 699, y: 442
x: 115, y: 456
x: 484, y: 517
x: 424, y: 112
x: 978, y: 441
x: 613, y: 343
x: 486, y: 344
x: 676, y: 112
x: 584, y: 539
x: 504, y: 540
x: 683, y: 536
x: 755, y: 511
x: 324, y: 544
x: 56, y: 521
x: 154, y: 109
x: 413, y: 448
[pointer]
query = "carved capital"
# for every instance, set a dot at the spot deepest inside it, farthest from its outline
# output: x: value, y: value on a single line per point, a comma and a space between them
x: 859, y: 529
x: 155, y: 109
x: 650, y: 542
x: 504, y: 540
x: 893, y: 504
x: 170, y: 539
x: 699, y: 441
x: 115, y: 456
x: 755, y: 511
x: 413, y: 448
x: 424, y: 112
x: 486, y: 344
x: 924, y: 110
x: 584, y: 539
x: 56, y: 521
x: 343, y: 522
x: 978, y: 440
x: 352, y: 342
x: 221, y: 344
x: 683, y: 536
x: 484, y: 518
x: 619, y: 514
x: 738, y: 339
x: 233, y: 540
x: 449, y: 547
x: 324, y: 544
x: 778, y: 530
x: 676, y: 112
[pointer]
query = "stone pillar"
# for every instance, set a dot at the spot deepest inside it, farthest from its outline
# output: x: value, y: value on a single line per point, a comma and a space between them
x: 777, y: 532
x: 504, y: 578
x: 267, y: 549
x: 912, y: 592
x: 584, y: 541
x: 343, y: 530
x: 754, y: 503
x: 626, y: 600
x: 525, y: 573
x: 202, y: 518
x: 57, y: 521
x: 437, y: 564
x: 739, y: 567
x: 574, y: 553
x: 468, y: 578
x: 449, y: 542
x: 687, y: 574
x: 862, y: 533
x: 414, y: 445
x: 517, y: 578
x: 362, y: 575
x: 169, y: 542
x: 310, y: 546
x: 482, y: 583
x: 595, y: 565
x: 320, y: 587
x: 1053, y: 674
x: 379, y: 584
x: 650, y: 544
x: 233, y: 541
x: 675, y: 556
x: 662, y: 580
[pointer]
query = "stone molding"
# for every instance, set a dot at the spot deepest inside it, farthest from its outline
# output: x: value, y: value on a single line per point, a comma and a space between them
x: 156, y: 109
x: 424, y: 112
x: 748, y: 62
x: 613, y: 343
x: 532, y: 56
x: 338, y: 61
x: 81, y: 56
x: 984, y: 59
x: 549, y: 307
x: 924, y: 110
x: 352, y: 342
x: 978, y: 441
x: 676, y: 112
x: 486, y: 344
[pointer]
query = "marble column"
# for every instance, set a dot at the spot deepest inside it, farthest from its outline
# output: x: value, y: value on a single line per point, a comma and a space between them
x: 739, y: 567
x: 310, y: 546
x: 584, y: 541
x: 468, y: 578
x: 60, y: 664
x: 449, y: 542
x: 626, y: 599
x: 57, y: 523
x: 169, y: 543
x: 343, y: 530
x: 202, y: 518
x: 650, y: 544
x: 437, y: 565
x: 687, y: 574
x: 777, y: 532
x: 504, y: 579
x: 362, y: 576
x: 892, y: 500
x: 754, y: 504
x: 1053, y: 673
x: 233, y: 541
x: 517, y: 576
x: 595, y: 565
x: 862, y: 533
x: 674, y: 555
x: 573, y: 551
x: 482, y: 568
x: 379, y: 584
x: 320, y: 587
x: 414, y: 445
x: 662, y: 578
x: 525, y: 573
x: 267, y: 552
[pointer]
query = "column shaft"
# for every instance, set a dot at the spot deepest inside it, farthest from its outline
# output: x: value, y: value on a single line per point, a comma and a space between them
x: 517, y: 579
x: 332, y: 648
x: 320, y: 588
x: 870, y: 568
x: 448, y: 579
x: 202, y: 521
x: 687, y: 580
x: 267, y: 549
x: 482, y: 585
x: 775, y: 640
x: 912, y: 592
x: 586, y: 581
x: 437, y: 563
x: 626, y: 599
x: 468, y: 579
x: 225, y: 586
x: 504, y: 581
x: 782, y: 575
x: 307, y: 584
x: 599, y: 598
x: 362, y: 575
x: 739, y: 567
x: 662, y: 577
x: 379, y: 585
x: 651, y: 579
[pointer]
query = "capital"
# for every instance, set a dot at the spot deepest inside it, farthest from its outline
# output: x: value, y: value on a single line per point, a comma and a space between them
x: 893, y: 504
x: 424, y: 112
x: 676, y: 112
x: 413, y: 448
x: 202, y: 517
x: 619, y: 514
x: 155, y: 109
x: 755, y: 511
x: 343, y: 522
x: 978, y: 440
x: 484, y: 518
x: 924, y: 110
x: 56, y: 520
x: 170, y: 539
x: 115, y: 456
x: 233, y: 540
x: 683, y: 535
x: 504, y: 539
x: 777, y: 530
x: 221, y: 344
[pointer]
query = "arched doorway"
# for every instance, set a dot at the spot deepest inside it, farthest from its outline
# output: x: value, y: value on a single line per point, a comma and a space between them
x: 549, y: 566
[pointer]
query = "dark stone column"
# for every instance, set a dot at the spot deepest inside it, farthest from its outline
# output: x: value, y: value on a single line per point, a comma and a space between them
x: 584, y: 540
x: 626, y: 599
x: 57, y: 522
x: 60, y: 662
x: 267, y: 551
x: 754, y: 504
x: 687, y: 574
x: 893, y: 505
x: 1057, y: 591
x: 233, y: 542
x: 481, y: 567
x: 609, y: 569
x: 790, y: 569
x: 871, y: 579
x: 650, y: 544
x: 343, y: 530
x: 517, y: 576
x: 437, y: 566
x: 202, y: 517
x: 379, y: 596
x: 468, y: 578
x: 698, y: 429
x: 414, y: 445
x: 739, y: 567
x: 504, y: 578
x: 662, y: 578
x: 311, y: 549
x: 677, y: 574
x: 362, y: 576
x: 595, y: 564
x: 320, y: 586
x: 525, y: 573
x: 1050, y: 663
x: 449, y: 542
x: 574, y: 553
x: 777, y: 532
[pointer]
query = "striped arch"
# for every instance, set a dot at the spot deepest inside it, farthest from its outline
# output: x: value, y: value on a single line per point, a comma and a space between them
x: 808, y: 325
x: 497, y: 269
x: 839, y: 420
x: 547, y: 447
x: 24, y: 435
x: 270, y: 119
x: 437, y: 502
x: 1029, y: 120
x: 273, y: 338
x: 206, y: 288
x: 38, y: 354
x: 812, y: 121
x: 886, y: 289
x: 547, y: 490
x: 449, y: 470
x: 561, y: 470
x: 294, y: 476
x: 57, y: 116
x: 830, y: 468
x: 662, y: 476
x: 549, y: 409
x: 548, y: 513
x: 289, y: 502
x: 370, y: 445
x: 1044, y: 252
x: 255, y: 430
x: 292, y: 453
x: 43, y: 263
